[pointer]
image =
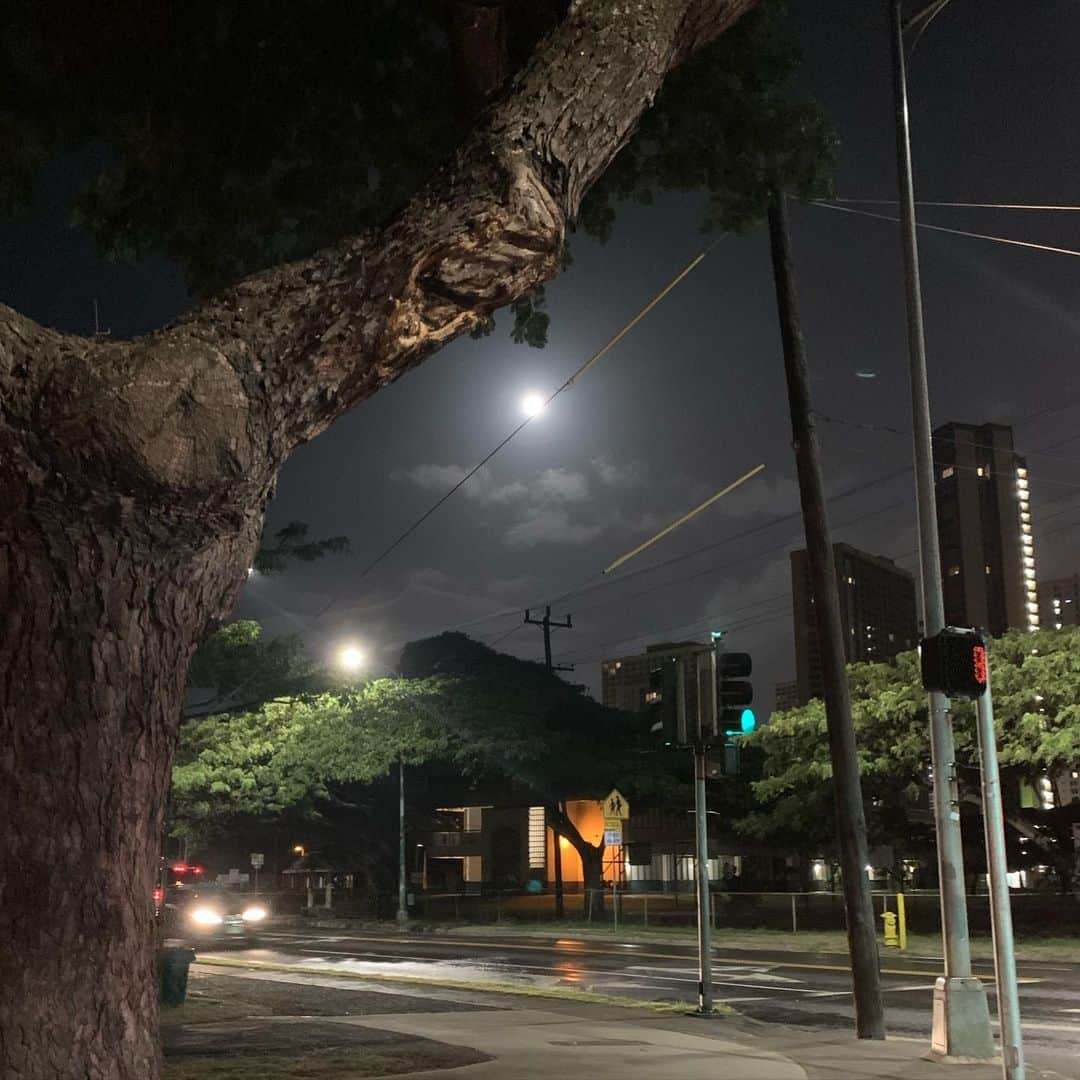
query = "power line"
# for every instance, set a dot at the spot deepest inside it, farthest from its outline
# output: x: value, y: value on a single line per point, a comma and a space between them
x: 889, y: 430
x: 955, y: 232
x: 567, y: 384
x: 1061, y: 208
x: 594, y: 583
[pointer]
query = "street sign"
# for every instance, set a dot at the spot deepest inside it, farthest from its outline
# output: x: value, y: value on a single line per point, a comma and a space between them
x: 613, y: 837
x: 615, y: 806
x: 257, y: 859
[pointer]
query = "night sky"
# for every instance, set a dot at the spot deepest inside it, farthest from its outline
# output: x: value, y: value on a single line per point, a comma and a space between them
x: 695, y: 395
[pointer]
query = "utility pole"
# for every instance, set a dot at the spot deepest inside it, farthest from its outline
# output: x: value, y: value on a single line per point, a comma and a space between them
x: 547, y: 624
x: 403, y: 893
x: 961, y: 1015
x: 851, y: 821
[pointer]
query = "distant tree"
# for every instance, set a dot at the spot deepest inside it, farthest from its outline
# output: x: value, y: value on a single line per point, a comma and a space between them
x: 513, y: 720
x: 291, y: 544
x: 1036, y: 687
x: 236, y: 668
x: 294, y: 755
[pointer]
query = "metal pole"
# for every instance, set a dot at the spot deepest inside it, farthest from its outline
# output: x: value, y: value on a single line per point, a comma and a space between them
x: 1012, y: 1050
x: 961, y: 1014
x: 403, y: 896
x: 704, y: 924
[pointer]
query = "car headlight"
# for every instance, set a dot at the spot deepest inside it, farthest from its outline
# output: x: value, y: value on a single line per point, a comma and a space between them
x: 205, y: 917
x: 254, y: 914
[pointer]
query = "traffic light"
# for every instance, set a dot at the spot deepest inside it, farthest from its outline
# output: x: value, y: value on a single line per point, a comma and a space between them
x: 954, y: 662
x: 734, y: 694
x: 662, y: 704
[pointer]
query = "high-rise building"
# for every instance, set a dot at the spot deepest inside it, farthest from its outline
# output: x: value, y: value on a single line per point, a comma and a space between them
x: 984, y: 526
x: 624, y: 680
x: 787, y: 695
x: 877, y: 610
x: 1059, y: 602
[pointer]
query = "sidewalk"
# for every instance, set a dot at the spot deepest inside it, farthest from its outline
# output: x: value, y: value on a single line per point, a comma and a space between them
x: 380, y: 1031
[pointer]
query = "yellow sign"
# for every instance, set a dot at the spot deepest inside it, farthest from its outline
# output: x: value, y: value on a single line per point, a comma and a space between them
x: 615, y: 806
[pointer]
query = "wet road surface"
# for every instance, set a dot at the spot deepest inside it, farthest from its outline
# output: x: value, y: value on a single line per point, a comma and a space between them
x: 805, y: 989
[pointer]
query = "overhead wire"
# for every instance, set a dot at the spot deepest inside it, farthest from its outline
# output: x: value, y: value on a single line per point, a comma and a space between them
x: 1049, y: 207
x: 954, y: 232
x: 566, y: 385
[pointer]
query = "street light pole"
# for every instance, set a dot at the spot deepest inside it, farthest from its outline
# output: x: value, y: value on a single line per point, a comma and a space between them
x: 403, y: 895
x: 961, y: 1014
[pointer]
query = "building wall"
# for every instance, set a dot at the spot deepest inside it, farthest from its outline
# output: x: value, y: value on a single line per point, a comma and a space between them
x: 984, y: 526
x: 625, y: 679
x: 877, y: 612
x: 787, y: 695
x: 1059, y: 603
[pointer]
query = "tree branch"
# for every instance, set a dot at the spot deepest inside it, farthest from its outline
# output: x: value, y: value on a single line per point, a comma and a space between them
x: 216, y: 401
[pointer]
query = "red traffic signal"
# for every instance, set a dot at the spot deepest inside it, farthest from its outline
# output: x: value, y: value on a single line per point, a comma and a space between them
x: 954, y: 662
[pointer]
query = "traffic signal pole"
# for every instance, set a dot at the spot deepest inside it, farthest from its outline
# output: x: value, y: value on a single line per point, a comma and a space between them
x: 961, y: 1015
x: 1012, y: 1050
x: 851, y: 820
x: 704, y: 914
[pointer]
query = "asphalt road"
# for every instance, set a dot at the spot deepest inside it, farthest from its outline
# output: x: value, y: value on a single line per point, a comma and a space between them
x: 795, y: 988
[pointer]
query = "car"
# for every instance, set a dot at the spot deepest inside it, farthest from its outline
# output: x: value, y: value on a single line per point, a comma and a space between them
x: 204, y: 914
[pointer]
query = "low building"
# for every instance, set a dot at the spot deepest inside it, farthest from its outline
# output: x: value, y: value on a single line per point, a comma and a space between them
x: 1059, y: 602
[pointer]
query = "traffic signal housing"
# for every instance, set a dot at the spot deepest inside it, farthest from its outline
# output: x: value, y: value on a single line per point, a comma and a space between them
x: 735, y: 718
x: 662, y: 704
x: 734, y: 693
x: 954, y: 662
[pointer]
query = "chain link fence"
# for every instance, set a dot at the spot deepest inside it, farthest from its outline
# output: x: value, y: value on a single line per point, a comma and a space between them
x: 1034, y: 913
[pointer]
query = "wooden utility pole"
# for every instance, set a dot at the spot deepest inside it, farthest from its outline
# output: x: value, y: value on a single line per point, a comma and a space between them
x: 851, y: 821
x: 547, y: 624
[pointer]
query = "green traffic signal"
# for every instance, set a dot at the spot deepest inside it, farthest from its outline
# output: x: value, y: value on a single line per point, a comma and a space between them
x: 747, y: 721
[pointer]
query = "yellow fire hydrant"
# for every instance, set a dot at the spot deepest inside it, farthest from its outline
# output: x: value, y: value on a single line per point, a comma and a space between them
x: 892, y: 938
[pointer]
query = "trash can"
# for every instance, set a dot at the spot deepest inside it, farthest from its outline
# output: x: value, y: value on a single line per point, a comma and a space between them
x: 892, y: 938
x: 173, y: 964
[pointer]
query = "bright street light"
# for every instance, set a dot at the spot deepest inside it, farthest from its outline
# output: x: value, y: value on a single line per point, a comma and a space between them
x: 350, y: 658
x: 532, y: 404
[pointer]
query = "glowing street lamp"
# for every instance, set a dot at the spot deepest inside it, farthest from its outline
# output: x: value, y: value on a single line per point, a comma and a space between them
x: 350, y: 658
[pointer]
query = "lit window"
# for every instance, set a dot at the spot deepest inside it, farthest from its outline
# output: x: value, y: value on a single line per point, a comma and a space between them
x: 947, y: 472
x: 1057, y: 626
x: 987, y: 568
x: 1021, y: 471
x: 954, y: 571
x: 980, y: 471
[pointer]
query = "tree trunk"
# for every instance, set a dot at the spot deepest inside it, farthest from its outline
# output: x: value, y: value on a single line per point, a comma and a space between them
x: 100, y: 621
x: 133, y: 476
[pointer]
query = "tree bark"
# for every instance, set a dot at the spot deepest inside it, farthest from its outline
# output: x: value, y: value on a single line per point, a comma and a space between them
x: 133, y: 477
x: 851, y: 819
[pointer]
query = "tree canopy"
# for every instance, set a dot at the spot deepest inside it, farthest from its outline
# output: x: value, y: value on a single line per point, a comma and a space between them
x: 1036, y: 690
x: 228, y: 145
x: 503, y: 722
